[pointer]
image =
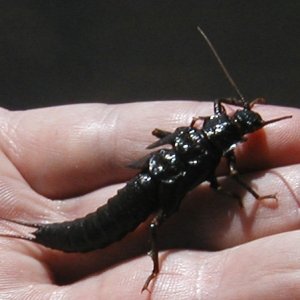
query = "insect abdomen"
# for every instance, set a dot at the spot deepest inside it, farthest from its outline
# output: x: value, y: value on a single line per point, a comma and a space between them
x: 109, y: 223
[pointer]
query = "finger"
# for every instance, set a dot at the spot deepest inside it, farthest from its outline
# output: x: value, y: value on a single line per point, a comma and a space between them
x: 73, y: 149
x: 268, y: 273
x: 18, y: 200
x: 206, y: 220
x: 209, y: 220
x: 269, y: 269
x: 275, y: 145
x: 67, y: 150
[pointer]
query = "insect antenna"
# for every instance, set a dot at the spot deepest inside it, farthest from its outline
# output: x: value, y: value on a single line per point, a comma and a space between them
x: 227, y: 74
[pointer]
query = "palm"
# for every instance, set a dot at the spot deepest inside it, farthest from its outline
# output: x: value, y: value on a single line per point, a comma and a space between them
x: 65, y: 152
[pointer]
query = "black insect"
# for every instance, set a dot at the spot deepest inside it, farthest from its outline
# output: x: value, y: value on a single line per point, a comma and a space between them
x: 166, y: 176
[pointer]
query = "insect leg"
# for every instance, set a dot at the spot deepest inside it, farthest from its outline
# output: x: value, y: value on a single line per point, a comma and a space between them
x: 219, y: 108
x: 153, y: 253
x: 214, y: 184
x: 235, y: 175
x: 257, y: 100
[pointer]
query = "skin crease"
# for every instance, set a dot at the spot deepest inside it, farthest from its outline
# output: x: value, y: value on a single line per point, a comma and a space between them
x: 212, y: 248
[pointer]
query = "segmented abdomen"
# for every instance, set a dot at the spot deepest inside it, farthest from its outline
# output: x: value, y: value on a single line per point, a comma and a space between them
x: 109, y: 223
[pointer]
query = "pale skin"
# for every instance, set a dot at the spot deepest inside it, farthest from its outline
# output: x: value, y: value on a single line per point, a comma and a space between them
x: 212, y: 248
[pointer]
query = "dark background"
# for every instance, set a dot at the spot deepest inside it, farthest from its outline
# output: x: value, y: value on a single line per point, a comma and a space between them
x: 58, y: 52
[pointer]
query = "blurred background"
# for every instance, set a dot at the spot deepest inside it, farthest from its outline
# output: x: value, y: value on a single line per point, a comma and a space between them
x: 58, y: 52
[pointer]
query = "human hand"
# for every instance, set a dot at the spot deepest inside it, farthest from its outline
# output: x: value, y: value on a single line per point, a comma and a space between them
x: 80, y: 152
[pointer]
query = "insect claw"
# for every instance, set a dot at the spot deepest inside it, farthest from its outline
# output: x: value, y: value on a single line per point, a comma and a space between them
x: 147, y: 282
x: 145, y: 288
x: 271, y: 196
